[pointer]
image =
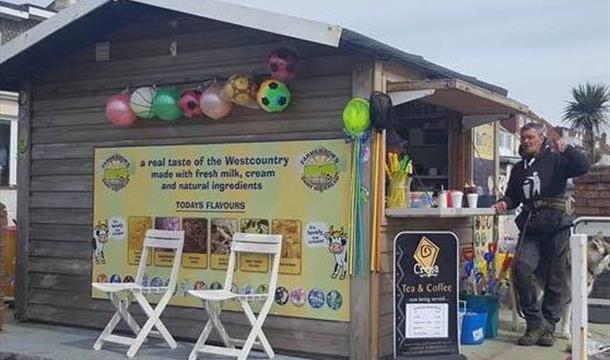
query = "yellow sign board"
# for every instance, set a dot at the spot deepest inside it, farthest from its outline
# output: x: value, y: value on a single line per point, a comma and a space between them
x: 300, y: 189
x: 484, y: 141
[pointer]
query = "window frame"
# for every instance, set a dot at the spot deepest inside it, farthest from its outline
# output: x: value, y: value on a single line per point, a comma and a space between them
x: 12, y: 153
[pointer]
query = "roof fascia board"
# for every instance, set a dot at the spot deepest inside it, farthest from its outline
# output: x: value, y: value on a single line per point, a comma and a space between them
x: 13, y: 13
x: 290, y: 26
x: 40, y: 14
x: 46, y: 28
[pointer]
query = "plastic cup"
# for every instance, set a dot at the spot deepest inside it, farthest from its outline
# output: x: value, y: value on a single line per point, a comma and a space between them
x: 473, y: 199
x: 456, y: 198
x: 442, y: 199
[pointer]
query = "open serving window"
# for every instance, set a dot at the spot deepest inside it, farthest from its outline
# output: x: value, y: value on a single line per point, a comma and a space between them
x: 438, y: 125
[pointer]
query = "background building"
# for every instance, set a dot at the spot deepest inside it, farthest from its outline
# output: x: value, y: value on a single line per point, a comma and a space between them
x: 14, y: 20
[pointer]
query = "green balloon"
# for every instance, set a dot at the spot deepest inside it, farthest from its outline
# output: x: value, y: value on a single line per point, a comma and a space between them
x: 166, y: 104
x: 356, y: 116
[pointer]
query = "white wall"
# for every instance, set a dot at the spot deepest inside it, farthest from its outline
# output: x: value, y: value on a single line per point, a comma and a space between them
x: 8, y: 104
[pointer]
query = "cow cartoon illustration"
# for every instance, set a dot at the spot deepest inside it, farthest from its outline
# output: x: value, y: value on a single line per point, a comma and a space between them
x: 100, y: 238
x: 337, y: 245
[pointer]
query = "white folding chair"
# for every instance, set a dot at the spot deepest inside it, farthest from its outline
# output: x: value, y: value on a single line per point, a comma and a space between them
x: 122, y: 294
x: 249, y: 243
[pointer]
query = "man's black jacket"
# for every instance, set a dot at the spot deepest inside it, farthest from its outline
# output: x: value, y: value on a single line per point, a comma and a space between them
x: 544, y: 176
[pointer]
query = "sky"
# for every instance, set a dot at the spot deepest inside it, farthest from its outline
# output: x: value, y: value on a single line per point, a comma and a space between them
x: 537, y: 50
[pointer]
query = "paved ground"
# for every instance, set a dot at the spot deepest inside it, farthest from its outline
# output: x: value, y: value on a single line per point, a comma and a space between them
x: 504, y: 346
x: 43, y: 342
x: 27, y: 341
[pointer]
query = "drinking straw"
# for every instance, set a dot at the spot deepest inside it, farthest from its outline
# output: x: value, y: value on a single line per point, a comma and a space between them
x: 375, y: 184
x: 380, y: 198
x: 352, y: 221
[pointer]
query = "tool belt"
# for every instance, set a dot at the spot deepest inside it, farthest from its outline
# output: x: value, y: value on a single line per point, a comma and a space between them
x: 551, y: 203
x: 542, y: 216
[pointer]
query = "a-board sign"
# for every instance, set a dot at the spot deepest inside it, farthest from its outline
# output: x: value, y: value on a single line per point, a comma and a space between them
x: 426, y: 296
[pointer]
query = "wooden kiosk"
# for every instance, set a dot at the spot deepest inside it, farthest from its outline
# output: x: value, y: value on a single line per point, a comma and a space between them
x: 66, y: 68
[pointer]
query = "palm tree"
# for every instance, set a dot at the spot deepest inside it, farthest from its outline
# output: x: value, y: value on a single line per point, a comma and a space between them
x: 586, y: 113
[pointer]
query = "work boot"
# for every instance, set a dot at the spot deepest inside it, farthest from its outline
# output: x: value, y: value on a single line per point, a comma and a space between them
x: 547, y: 339
x: 531, y: 336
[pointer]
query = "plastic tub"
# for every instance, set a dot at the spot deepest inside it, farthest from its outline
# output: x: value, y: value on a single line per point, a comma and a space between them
x: 473, y: 328
x: 489, y: 305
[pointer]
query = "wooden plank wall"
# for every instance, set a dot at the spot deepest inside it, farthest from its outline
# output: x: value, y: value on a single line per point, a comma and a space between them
x: 23, y: 197
x: 68, y: 123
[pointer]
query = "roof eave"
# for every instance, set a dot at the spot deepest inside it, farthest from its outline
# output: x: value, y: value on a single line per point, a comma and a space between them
x: 290, y: 26
x: 47, y: 28
x: 307, y: 30
x: 390, y: 53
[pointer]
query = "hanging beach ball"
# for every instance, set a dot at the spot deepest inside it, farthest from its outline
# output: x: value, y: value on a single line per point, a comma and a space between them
x: 241, y: 90
x: 282, y: 64
x: 166, y: 104
x: 118, y: 111
x: 213, y: 104
x: 189, y: 103
x: 273, y: 96
x: 141, y: 101
x: 356, y: 116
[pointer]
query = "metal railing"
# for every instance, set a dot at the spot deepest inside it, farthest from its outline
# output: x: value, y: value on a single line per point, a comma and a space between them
x: 584, y: 227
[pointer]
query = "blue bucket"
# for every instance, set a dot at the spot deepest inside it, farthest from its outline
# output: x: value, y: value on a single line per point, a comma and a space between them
x: 488, y: 304
x: 473, y: 328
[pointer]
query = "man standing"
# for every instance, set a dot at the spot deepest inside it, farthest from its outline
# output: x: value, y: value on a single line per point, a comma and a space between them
x: 538, y: 182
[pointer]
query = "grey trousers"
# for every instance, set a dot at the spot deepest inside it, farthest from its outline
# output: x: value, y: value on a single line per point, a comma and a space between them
x: 542, y: 263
